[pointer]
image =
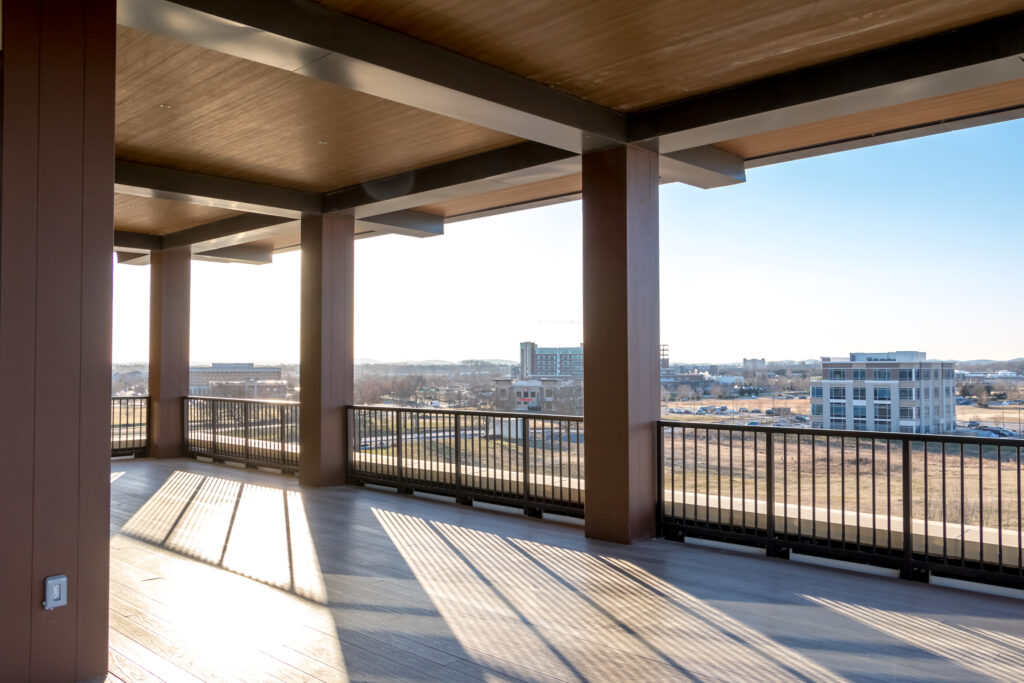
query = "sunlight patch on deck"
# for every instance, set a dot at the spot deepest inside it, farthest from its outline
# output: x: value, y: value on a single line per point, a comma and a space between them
x: 579, y: 615
x: 990, y: 653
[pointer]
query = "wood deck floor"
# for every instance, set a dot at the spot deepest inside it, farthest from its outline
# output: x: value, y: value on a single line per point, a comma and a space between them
x: 225, y: 574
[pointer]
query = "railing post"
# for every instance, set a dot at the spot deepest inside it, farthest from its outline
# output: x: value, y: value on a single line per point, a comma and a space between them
x: 458, y: 458
x: 245, y: 429
x: 150, y: 431
x: 213, y: 425
x: 185, y: 443
x: 530, y: 510
x: 907, y: 570
x: 659, y: 500
x: 399, y: 447
x: 772, y: 547
x: 280, y: 414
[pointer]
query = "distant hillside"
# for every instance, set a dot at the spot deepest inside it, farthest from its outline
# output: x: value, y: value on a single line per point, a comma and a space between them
x: 985, y: 361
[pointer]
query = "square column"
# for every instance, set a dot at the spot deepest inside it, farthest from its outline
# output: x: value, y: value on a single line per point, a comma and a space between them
x: 620, y: 339
x: 56, y: 245
x: 325, y: 370
x: 170, y: 282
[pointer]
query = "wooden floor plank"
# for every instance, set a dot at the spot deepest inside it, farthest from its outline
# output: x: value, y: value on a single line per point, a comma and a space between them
x: 224, y: 574
x: 124, y: 669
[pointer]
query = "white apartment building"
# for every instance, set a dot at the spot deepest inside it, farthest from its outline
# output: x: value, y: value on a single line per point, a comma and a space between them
x: 897, y: 391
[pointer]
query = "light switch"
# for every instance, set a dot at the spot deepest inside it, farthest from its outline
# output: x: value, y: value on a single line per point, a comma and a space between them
x: 56, y: 591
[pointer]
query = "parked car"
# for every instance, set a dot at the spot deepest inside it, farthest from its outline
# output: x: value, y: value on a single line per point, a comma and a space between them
x: 769, y: 412
x: 686, y: 411
x: 753, y: 423
x: 756, y: 410
x: 973, y: 424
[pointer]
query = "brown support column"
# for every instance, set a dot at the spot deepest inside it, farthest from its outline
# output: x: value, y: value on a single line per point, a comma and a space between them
x: 169, y: 302
x: 620, y: 339
x: 55, y: 314
x: 325, y: 372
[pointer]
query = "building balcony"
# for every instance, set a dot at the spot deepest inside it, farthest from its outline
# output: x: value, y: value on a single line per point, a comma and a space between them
x: 223, y: 573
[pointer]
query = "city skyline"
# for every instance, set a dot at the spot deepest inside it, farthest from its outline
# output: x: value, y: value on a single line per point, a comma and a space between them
x: 893, y: 241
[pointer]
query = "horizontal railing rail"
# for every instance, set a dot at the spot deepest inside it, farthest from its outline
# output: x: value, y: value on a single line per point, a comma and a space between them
x: 129, y: 426
x: 849, y: 495
x: 254, y: 432
x: 533, y: 461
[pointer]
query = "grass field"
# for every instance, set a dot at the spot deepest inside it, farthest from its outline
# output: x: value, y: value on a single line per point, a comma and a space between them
x: 853, y: 474
x: 1011, y: 417
x: 796, y: 406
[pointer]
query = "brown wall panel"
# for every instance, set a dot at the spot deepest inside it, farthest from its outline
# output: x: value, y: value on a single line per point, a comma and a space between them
x: 55, y: 292
x: 326, y: 346
x: 18, y: 251
x: 169, y: 316
x: 58, y: 343
x: 97, y: 302
x: 620, y: 337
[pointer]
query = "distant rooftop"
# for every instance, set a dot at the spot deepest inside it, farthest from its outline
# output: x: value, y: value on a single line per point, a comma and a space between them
x: 886, y: 357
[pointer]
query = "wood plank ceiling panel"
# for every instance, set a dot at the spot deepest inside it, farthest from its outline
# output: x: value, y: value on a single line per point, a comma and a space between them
x: 191, y: 108
x: 161, y: 216
x: 634, y: 55
x: 509, y: 197
x: 888, y: 119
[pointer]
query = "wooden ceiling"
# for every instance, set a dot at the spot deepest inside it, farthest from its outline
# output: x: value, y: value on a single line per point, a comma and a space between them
x: 884, y: 120
x: 187, y: 107
x: 635, y: 55
x: 190, y: 108
x: 161, y: 216
x: 512, y: 196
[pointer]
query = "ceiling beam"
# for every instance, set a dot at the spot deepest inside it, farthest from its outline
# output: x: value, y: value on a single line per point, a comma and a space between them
x: 860, y: 142
x: 316, y: 41
x: 259, y: 253
x: 132, y: 258
x: 212, y: 233
x: 499, y: 169
x: 136, y: 242
x: 975, y: 56
x: 411, y: 223
x: 705, y: 167
x: 144, y: 180
x: 217, y: 239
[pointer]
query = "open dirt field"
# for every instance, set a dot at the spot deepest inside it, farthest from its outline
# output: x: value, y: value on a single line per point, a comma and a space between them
x: 796, y: 406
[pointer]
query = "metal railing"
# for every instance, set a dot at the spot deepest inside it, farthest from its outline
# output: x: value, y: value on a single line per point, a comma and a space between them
x: 854, y: 496
x: 254, y: 432
x: 129, y: 426
x: 533, y: 461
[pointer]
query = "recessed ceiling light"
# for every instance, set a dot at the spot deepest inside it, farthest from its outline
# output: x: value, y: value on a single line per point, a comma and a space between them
x: 166, y: 106
x: 321, y: 142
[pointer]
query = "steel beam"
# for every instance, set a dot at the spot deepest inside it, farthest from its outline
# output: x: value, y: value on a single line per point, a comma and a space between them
x: 136, y: 242
x: 517, y: 206
x: 983, y: 54
x: 144, y: 180
x: 945, y: 126
x: 132, y: 258
x: 213, y: 234
x: 253, y: 253
x: 316, y: 41
x: 705, y: 167
x: 499, y: 169
x: 411, y: 223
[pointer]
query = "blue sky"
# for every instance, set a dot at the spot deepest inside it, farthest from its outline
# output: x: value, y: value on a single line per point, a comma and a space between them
x: 912, y: 245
